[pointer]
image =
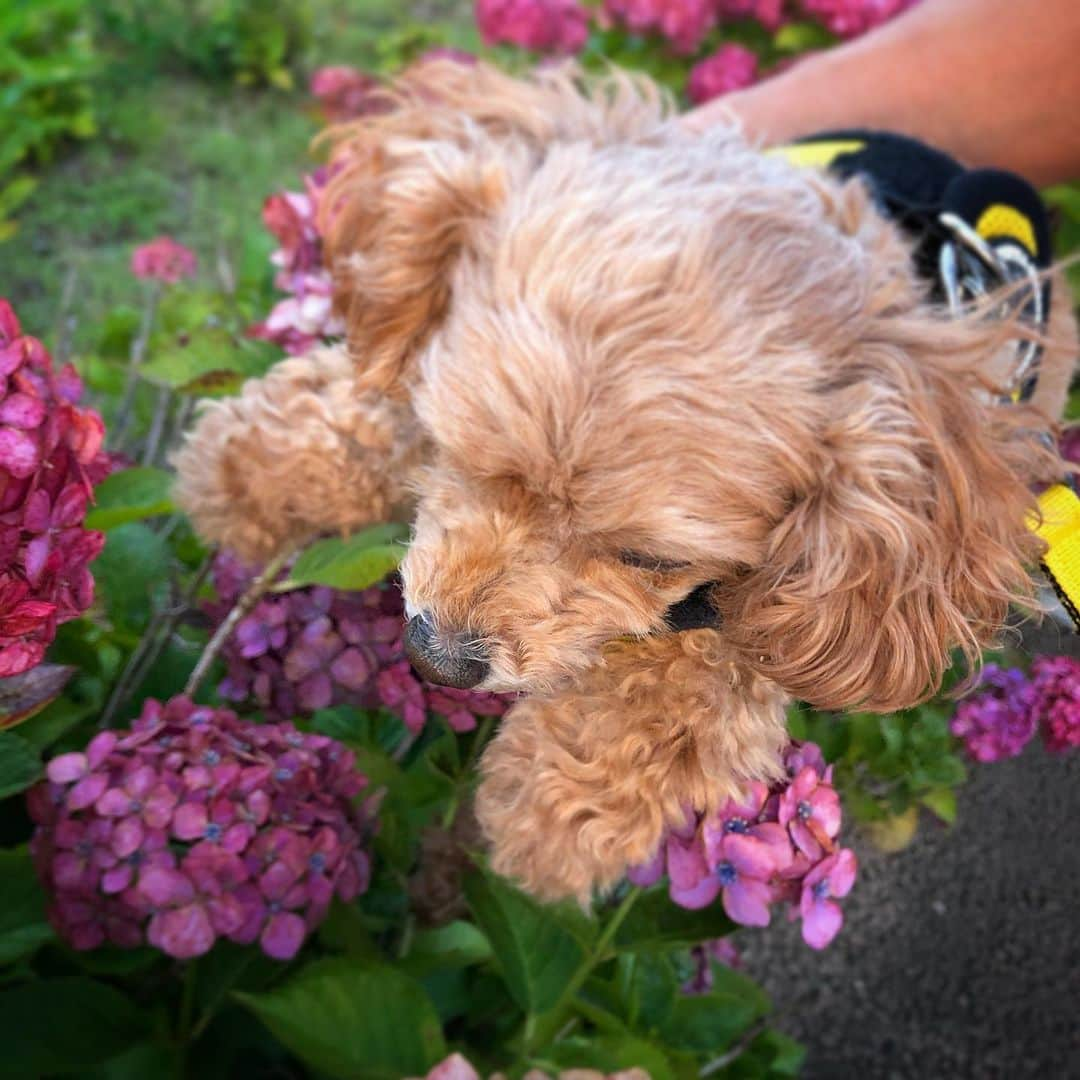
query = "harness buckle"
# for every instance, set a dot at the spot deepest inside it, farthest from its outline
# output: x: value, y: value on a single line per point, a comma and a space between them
x: 970, y: 268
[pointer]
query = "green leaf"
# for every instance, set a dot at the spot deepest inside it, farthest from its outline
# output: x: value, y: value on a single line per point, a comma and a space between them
x: 611, y: 1054
x: 129, y: 496
x: 131, y: 569
x: 23, y: 926
x: 456, y: 945
x: 941, y: 803
x: 357, y: 562
x: 537, y: 954
x: 64, y: 1023
x: 707, y: 1023
x: 352, y: 1023
x: 657, y: 924
x: 20, y: 764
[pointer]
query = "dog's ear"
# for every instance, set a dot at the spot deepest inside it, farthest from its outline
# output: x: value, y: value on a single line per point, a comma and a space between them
x: 400, y: 213
x: 911, y: 539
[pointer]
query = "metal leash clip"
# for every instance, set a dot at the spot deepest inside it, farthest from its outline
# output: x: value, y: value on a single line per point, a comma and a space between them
x: 970, y: 268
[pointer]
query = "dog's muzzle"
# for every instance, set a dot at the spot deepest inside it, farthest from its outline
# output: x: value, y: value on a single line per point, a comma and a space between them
x: 447, y: 659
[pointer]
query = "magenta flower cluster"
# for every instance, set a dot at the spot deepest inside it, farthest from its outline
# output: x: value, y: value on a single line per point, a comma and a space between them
x: 1008, y: 708
x: 305, y: 318
x: 771, y: 846
x: 164, y: 260
x: 731, y: 67
x: 50, y: 459
x: 316, y: 647
x: 195, y: 826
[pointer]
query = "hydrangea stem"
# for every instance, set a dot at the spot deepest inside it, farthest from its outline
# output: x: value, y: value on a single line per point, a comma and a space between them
x: 241, y: 608
x: 540, y: 1030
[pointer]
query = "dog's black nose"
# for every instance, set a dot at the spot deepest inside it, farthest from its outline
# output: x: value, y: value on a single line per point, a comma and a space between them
x: 454, y: 659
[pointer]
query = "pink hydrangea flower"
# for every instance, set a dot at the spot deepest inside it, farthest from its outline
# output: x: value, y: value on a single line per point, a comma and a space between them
x: 849, y: 18
x: 50, y: 458
x: 1057, y: 700
x: 830, y: 880
x: 999, y: 720
x: 770, y: 13
x: 683, y: 22
x: 195, y: 826
x: 761, y: 850
x: 313, y: 648
x: 560, y: 26
x: 731, y: 67
x: 163, y: 260
x: 345, y: 93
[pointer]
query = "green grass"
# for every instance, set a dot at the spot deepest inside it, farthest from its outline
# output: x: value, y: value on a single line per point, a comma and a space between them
x: 187, y: 157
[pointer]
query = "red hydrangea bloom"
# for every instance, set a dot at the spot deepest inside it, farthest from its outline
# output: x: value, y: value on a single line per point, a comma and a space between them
x: 1057, y: 700
x: 345, y: 93
x: 50, y: 457
x: 544, y: 25
x: 767, y: 847
x: 731, y: 67
x: 683, y: 22
x: 849, y: 18
x: 316, y: 647
x: 305, y: 317
x: 195, y: 826
x: 163, y: 260
x: 1000, y: 719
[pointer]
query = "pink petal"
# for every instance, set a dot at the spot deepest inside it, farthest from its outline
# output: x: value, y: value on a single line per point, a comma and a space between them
x: 455, y: 1067
x: 114, y: 803
x: 843, y: 876
x: 283, y: 935
x: 117, y: 879
x: 747, y: 902
x: 158, y: 807
x: 19, y: 452
x: 821, y: 923
x: 127, y: 836
x: 700, y: 896
x: 648, y: 873
x: 100, y: 747
x: 183, y: 933
x: 190, y: 821
x: 749, y: 855
x: 87, y: 791
x: 805, y: 840
x: 67, y: 768
x: 685, y: 863
x: 22, y: 411
x: 160, y: 886
x: 827, y: 812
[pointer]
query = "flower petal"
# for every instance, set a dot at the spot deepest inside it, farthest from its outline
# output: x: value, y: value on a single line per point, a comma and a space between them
x: 821, y: 923
x: 283, y: 935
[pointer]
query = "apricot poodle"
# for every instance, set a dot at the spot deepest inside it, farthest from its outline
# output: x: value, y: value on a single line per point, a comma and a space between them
x: 600, y: 362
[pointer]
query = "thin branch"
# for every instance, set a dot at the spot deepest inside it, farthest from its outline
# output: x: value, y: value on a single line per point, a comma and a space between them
x: 124, y: 414
x: 735, y: 1052
x: 243, y: 606
x: 157, y: 425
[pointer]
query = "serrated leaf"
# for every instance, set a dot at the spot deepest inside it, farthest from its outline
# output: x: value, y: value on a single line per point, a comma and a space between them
x: 64, y: 1023
x: 941, y: 803
x: 656, y: 923
x: 357, y: 562
x: 538, y: 956
x: 707, y: 1023
x: 130, y: 495
x: 23, y: 926
x: 353, y: 1024
x: 23, y: 696
x: 20, y: 765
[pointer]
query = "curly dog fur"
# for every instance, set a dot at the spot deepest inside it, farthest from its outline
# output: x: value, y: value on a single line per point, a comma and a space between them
x: 614, y: 361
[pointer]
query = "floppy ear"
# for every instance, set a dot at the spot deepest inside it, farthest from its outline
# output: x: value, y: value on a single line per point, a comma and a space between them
x: 402, y: 209
x: 911, y: 540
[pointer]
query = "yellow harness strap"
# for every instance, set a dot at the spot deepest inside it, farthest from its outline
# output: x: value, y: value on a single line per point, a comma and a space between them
x: 1059, y: 508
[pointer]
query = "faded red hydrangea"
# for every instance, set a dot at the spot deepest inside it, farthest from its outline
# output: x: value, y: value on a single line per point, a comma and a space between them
x: 999, y: 719
x: 345, y: 93
x: 195, y: 826
x: 683, y: 22
x: 771, y: 846
x: 305, y: 318
x: 50, y: 459
x: 163, y: 260
x: 770, y: 13
x: 731, y: 67
x: 316, y: 647
x: 560, y: 26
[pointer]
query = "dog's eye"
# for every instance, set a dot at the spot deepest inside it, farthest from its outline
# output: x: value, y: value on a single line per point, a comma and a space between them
x: 651, y: 562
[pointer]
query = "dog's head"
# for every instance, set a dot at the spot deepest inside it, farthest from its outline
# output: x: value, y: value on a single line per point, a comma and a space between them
x: 650, y: 361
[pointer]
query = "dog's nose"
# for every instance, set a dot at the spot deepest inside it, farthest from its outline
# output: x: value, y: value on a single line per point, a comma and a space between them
x: 454, y: 659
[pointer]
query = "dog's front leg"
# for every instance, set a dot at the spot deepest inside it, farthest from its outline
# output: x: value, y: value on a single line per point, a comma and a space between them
x: 297, y: 453
x: 581, y: 785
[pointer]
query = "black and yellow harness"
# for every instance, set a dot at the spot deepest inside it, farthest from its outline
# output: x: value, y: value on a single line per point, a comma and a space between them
x: 976, y: 231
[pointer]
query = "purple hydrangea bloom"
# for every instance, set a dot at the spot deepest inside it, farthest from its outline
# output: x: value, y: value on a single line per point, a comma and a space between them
x: 195, y: 826
x: 762, y: 849
x: 316, y: 647
x: 997, y: 721
x: 1057, y: 700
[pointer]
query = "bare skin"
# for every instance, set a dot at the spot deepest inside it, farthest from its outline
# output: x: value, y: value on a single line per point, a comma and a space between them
x: 993, y: 82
